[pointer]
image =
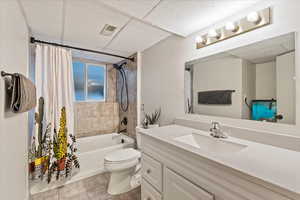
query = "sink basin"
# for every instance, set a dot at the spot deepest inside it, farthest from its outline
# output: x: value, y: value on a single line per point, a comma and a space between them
x: 210, y: 144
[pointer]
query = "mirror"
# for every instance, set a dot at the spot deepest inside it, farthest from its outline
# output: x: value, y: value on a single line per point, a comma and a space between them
x: 255, y: 82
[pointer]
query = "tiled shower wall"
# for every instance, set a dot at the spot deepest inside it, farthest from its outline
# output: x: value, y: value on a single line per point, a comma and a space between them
x: 131, y: 114
x: 94, y: 118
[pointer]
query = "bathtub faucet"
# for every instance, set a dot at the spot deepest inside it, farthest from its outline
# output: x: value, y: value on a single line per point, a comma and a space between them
x: 123, y: 130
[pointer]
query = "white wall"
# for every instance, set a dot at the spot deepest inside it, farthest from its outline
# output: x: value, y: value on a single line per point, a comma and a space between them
x: 248, y: 87
x: 219, y: 74
x: 163, y: 64
x: 163, y: 78
x: 285, y: 66
x: 266, y: 80
x: 13, y: 128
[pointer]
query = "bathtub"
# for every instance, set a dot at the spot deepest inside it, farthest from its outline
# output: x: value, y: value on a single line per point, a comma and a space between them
x: 91, y: 153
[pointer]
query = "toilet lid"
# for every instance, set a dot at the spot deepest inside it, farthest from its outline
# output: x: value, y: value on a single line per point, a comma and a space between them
x: 123, y: 155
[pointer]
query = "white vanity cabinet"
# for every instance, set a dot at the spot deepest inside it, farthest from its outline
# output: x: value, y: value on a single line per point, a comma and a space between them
x: 172, y: 173
x: 178, y: 188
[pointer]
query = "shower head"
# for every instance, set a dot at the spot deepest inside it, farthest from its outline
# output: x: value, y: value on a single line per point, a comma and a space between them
x: 119, y: 66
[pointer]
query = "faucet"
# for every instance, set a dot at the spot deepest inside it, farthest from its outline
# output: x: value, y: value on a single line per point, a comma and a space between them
x: 216, y: 131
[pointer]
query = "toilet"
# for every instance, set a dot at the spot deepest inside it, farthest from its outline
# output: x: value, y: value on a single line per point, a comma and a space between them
x: 124, y: 166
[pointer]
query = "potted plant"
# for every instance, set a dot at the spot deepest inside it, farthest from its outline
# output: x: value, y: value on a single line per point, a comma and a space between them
x: 152, y: 120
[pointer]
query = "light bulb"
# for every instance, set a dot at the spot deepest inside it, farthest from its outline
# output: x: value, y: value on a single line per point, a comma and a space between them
x: 254, y: 17
x: 200, y: 39
x: 231, y: 26
x: 213, y: 34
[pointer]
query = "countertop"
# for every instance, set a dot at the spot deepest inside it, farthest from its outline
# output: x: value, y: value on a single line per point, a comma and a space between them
x: 278, y: 166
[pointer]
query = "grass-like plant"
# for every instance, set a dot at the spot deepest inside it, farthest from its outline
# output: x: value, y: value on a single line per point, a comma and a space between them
x: 153, y: 118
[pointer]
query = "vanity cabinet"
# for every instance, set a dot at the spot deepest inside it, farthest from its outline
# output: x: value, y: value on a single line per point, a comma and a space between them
x: 172, y: 173
x: 178, y: 188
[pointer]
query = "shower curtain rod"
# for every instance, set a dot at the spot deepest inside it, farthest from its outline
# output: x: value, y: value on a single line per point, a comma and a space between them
x: 33, y: 40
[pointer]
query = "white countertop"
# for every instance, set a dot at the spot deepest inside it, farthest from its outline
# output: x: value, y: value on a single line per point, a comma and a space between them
x: 278, y: 166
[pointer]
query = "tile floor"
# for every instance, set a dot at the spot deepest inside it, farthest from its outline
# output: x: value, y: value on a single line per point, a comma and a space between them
x: 93, y: 188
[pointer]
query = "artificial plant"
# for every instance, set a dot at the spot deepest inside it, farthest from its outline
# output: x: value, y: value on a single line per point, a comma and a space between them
x: 153, y: 118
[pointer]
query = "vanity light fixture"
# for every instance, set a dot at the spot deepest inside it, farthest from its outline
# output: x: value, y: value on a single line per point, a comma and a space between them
x: 254, y: 17
x: 201, y: 39
x: 252, y: 21
x: 214, y: 34
x: 231, y: 26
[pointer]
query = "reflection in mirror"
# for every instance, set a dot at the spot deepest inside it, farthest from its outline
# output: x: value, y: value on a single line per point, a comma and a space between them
x: 255, y: 82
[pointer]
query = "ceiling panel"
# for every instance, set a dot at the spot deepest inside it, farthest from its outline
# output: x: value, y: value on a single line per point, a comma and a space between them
x: 186, y: 17
x: 85, y: 19
x: 266, y: 50
x: 135, y: 8
x: 44, y: 17
x: 100, y: 57
x: 137, y: 36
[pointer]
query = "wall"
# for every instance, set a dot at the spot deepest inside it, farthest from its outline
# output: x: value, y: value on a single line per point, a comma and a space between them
x: 219, y: 74
x: 163, y: 63
x: 266, y: 80
x: 131, y: 114
x: 285, y: 66
x: 13, y: 127
x: 249, y: 76
x: 94, y: 118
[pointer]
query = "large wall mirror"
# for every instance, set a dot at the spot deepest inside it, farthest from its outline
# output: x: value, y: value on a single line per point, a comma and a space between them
x: 255, y: 82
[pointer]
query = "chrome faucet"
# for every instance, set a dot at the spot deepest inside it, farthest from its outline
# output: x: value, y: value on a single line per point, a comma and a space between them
x: 216, y: 131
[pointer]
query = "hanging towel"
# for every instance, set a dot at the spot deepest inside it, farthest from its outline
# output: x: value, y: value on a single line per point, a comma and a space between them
x: 219, y: 97
x: 23, y: 94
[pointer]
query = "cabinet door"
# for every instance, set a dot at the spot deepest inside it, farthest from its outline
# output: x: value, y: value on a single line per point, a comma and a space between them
x: 179, y: 188
x: 148, y: 192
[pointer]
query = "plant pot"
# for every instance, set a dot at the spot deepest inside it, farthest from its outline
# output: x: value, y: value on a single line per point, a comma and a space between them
x: 61, y: 164
x: 31, y: 167
x: 153, y: 126
x: 45, y: 164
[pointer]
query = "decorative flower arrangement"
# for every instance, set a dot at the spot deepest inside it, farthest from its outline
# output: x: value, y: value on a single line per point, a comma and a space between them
x: 53, y: 154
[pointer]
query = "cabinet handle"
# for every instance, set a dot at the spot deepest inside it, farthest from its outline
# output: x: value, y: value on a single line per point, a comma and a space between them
x: 148, y: 198
x: 148, y: 172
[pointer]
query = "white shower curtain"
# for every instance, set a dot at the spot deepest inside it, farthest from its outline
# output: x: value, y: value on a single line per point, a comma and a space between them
x: 54, y: 135
x: 54, y: 81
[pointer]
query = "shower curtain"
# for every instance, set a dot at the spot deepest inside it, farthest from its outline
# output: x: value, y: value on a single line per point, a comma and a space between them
x: 54, y: 142
x: 54, y: 80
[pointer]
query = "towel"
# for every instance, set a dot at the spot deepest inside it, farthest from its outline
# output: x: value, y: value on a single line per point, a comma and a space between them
x: 23, y: 94
x: 221, y: 97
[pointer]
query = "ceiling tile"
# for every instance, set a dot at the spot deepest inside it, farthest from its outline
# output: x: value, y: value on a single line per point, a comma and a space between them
x: 98, y: 57
x: 44, y: 17
x: 135, y: 8
x: 266, y: 50
x: 85, y: 19
x: 137, y: 36
x: 186, y: 17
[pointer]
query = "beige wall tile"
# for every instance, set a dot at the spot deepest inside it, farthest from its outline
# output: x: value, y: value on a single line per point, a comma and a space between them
x: 94, y: 118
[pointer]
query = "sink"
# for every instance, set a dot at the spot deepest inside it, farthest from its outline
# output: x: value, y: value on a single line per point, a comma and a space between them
x: 210, y: 144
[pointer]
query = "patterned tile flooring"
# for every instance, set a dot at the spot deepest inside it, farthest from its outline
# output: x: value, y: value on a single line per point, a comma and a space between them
x: 92, y: 188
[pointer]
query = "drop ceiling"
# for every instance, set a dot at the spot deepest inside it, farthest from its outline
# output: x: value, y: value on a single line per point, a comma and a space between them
x: 257, y: 53
x: 140, y: 23
x: 266, y: 50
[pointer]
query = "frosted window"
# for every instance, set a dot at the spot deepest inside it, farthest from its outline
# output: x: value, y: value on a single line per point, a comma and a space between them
x: 89, y: 81
x: 95, y: 82
x: 79, y: 80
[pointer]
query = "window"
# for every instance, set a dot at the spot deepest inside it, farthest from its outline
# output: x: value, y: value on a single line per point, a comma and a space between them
x: 89, y: 81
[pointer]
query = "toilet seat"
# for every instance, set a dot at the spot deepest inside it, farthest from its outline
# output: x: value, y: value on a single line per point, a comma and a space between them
x: 122, y: 159
x: 122, y: 155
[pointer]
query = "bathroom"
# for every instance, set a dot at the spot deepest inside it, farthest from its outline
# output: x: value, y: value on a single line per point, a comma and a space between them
x: 150, y: 99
